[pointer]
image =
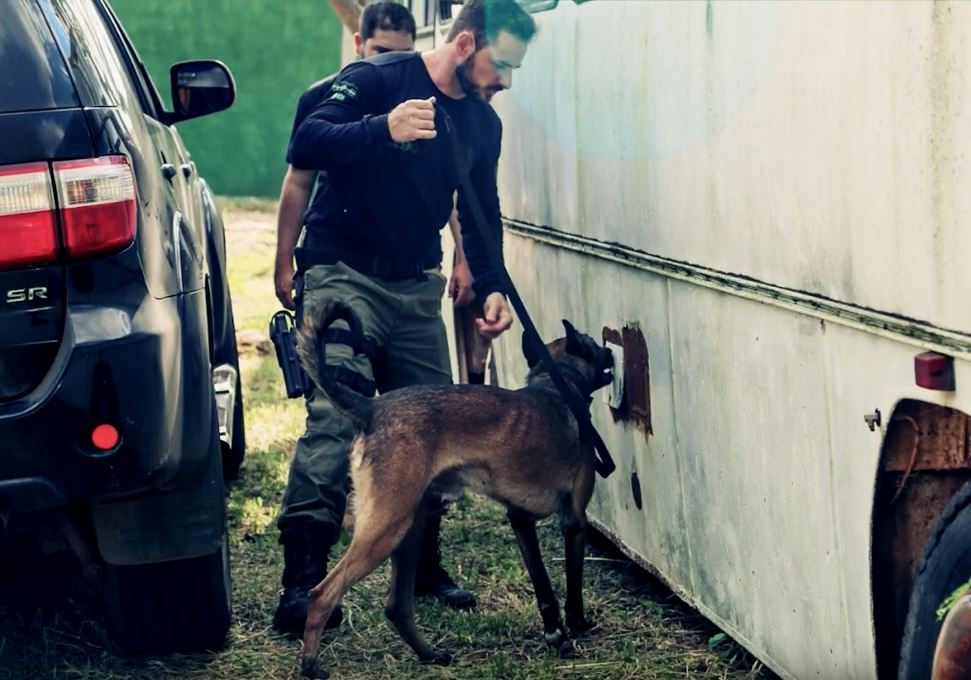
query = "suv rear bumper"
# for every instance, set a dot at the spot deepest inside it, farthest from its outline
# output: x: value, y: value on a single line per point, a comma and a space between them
x: 129, y: 370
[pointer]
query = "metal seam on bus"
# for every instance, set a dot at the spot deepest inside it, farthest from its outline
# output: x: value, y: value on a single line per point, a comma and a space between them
x: 914, y: 332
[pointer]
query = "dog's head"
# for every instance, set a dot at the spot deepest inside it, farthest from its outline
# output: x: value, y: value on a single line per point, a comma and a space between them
x: 580, y: 355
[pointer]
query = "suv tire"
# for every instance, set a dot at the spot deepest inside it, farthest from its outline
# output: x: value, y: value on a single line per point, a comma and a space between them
x: 178, y: 605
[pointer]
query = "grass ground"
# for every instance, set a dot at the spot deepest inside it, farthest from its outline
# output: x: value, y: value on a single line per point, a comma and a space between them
x: 52, y: 622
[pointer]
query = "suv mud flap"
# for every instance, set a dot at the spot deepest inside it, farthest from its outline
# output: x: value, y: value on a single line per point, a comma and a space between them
x: 178, y: 605
x: 171, y: 525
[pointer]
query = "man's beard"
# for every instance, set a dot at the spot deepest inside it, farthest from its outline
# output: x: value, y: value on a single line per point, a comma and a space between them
x: 464, y: 75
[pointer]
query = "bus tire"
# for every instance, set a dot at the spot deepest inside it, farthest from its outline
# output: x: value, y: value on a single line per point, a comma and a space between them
x: 946, y: 565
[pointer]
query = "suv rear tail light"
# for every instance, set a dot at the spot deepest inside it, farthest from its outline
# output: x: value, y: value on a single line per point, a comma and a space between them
x: 97, y: 205
x: 28, y: 231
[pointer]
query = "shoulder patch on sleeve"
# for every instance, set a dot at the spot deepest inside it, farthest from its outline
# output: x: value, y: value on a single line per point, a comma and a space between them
x: 342, y: 91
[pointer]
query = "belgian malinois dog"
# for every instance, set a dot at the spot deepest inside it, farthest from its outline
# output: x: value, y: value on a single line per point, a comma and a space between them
x: 521, y: 448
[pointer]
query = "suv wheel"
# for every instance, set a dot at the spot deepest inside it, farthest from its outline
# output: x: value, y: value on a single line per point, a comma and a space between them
x: 177, y: 605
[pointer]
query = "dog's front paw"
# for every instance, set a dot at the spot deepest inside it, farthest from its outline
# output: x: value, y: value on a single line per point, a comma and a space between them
x: 310, y: 669
x: 579, y: 626
x: 567, y: 649
x: 560, y: 640
x: 556, y: 638
x: 438, y: 658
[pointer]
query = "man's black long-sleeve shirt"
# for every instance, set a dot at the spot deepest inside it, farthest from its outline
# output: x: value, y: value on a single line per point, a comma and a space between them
x: 309, y: 100
x: 392, y: 200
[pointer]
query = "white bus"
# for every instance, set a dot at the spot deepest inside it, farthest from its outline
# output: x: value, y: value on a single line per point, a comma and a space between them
x: 767, y: 205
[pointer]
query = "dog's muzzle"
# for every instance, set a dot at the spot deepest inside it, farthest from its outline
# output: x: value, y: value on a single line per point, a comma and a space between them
x: 605, y: 367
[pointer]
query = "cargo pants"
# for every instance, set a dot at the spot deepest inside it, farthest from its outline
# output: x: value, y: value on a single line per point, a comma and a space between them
x: 404, y: 319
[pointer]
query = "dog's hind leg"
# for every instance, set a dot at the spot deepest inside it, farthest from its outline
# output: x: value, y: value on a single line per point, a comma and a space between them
x: 376, y: 536
x: 575, y: 542
x: 401, y: 600
x: 549, y: 608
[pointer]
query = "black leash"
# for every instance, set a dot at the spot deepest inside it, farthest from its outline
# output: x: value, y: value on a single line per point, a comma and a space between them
x: 533, y: 345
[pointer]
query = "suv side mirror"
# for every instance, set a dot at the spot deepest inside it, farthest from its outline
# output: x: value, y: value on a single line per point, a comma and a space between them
x: 200, y: 88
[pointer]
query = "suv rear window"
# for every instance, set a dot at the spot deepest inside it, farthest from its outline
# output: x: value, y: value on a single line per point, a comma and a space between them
x: 33, y: 75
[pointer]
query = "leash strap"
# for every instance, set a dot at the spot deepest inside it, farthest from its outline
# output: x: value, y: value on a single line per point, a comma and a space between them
x: 533, y: 344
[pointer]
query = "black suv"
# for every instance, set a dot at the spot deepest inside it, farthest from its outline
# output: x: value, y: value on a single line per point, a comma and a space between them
x: 120, y: 408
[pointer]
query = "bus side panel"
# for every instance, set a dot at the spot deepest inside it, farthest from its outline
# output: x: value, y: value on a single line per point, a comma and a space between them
x: 558, y: 285
x: 815, y: 146
x: 779, y: 473
x: 757, y: 481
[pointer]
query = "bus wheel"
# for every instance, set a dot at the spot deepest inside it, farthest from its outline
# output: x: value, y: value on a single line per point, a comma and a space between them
x: 945, y: 567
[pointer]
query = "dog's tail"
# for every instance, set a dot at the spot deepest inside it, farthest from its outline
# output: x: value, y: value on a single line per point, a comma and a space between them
x: 312, y: 348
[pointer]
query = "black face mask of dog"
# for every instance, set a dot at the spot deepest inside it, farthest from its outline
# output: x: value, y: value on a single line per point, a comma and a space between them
x: 586, y: 364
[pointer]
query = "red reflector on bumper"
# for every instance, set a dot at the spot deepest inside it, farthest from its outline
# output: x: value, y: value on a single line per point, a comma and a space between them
x: 934, y: 371
x: 105, y: 437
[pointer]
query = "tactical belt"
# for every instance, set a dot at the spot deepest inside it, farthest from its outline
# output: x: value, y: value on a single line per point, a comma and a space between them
x: 387, y: 268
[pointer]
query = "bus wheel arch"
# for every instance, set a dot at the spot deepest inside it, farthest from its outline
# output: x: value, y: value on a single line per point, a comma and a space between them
x: 924, y: 463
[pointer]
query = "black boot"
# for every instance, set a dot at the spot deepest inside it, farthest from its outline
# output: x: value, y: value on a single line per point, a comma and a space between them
x: 432, y: 579
x: 305, y: 554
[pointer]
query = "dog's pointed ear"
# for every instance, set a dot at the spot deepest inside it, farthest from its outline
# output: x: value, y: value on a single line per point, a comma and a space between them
x: 532, y: 356
x: 572, y: 338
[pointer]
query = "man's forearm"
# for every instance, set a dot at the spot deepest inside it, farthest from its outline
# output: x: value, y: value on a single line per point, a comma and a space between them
x: 318, y: 141
x: 293, y: 205
x: 483, y: 251
x: 456, y: 228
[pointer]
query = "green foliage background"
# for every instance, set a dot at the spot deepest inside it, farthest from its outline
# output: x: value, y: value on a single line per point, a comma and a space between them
x: 275, y: 49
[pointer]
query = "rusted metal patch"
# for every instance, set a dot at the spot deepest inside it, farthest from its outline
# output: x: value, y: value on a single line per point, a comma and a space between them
x: 636, y: 406
x: 923, y: 436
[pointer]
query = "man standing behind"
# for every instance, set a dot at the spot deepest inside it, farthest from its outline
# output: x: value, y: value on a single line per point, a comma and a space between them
x: 396, y: 135
x: 384, y: 27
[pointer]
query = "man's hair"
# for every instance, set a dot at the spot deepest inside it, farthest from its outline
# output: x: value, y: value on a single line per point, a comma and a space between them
x: 386, y: 15
x: 487, y: 18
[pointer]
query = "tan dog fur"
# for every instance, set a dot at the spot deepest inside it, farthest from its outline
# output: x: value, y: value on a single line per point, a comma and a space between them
x: 519, y: 447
